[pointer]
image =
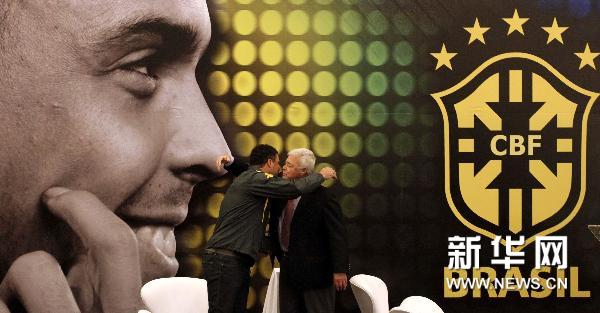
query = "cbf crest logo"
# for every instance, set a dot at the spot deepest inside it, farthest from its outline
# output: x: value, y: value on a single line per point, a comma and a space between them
x: 515, y: 136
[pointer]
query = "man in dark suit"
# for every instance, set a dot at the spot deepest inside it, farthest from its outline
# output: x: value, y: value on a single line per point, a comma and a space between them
x: 309, y: 240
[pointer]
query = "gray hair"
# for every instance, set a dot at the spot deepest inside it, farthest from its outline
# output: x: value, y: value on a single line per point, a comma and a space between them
x: 306, y: 158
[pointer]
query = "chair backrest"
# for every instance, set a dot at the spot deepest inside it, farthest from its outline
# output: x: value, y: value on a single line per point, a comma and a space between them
x: 176, y: 295
x: 371, y: 293
x: 418, y: 304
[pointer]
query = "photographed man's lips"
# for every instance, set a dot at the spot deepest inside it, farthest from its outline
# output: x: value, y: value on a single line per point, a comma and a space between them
x: 168, y: 215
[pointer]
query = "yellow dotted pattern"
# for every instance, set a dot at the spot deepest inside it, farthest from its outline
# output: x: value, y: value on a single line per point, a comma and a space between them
x: 244, y: 83
x: 271, y: 83
x: 270, y: 53
x: 244, y: 22
x: 297, y: 53
x: 293, y: 73
x: 338, y: 77
x: 244, y: 52
x: 273, y: 139
x: 218, y: 83
x: 244, y: 113
x: 244, y: 142
x: 271, y: 22
x: 213, y: 204
x: 297, y: 140
x: 192, y: 237
x: 297, y: 114
x: 271, y: 114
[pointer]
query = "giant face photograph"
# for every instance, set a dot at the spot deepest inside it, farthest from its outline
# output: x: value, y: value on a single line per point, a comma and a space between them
x: 299, y: 156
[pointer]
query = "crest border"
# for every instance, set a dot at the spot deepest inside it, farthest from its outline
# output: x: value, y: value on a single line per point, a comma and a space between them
x: 520, y: 55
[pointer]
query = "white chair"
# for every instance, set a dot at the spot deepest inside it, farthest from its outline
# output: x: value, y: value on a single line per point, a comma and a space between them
x: 371, y: 293
x: 271, y: 304
x: 417, y: 304
x: 176, y: 295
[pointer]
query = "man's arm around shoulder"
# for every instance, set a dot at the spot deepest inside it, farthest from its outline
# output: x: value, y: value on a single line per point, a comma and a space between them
x: 270, y: 186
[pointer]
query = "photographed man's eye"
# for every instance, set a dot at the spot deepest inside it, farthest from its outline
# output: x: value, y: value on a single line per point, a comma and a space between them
x: 141, y: 68
x: 138, y: 72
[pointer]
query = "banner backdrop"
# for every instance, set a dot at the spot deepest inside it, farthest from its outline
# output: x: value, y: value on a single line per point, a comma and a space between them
x: 463, y: 133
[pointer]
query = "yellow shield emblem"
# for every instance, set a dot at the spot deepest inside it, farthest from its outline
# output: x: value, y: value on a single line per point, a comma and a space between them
x: 515, y: 147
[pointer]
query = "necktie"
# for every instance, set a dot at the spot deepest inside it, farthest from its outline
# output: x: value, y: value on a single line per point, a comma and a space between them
x: 288, y: 213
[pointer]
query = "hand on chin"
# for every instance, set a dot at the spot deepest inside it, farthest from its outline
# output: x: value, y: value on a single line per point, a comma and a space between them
x: 105, y: 276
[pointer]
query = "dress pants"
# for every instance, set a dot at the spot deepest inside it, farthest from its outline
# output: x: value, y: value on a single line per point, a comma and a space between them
x: 228, y: 280
x: 292, y: 300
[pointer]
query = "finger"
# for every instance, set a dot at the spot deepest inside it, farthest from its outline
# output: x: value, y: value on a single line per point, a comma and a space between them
x: 79, y: 280
x: 37, y: 280
x: 110, y: 242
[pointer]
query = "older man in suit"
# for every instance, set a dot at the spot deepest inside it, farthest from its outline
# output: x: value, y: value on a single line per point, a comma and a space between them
x: 309, y: 240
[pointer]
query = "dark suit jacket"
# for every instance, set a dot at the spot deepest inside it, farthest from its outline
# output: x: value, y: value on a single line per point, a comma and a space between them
x: 318, y: 244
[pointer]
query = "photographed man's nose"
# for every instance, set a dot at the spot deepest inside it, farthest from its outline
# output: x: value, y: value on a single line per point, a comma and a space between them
x: 198, y: 140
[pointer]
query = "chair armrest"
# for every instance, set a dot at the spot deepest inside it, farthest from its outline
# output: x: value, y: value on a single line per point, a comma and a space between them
x: 398, y: 310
